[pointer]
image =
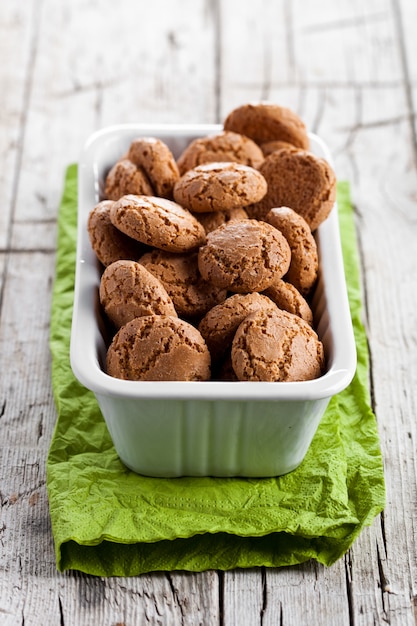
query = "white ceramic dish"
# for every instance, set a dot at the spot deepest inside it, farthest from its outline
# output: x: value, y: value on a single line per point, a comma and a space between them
x: 205, y: 428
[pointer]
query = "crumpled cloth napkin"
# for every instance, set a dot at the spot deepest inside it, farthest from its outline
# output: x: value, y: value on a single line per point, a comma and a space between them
x: 109, y: 521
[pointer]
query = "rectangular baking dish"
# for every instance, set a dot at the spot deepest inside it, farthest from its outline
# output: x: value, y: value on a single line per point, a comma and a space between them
x: 172, y: 429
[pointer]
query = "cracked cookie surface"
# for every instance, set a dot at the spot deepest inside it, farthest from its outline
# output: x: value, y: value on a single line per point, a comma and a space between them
x: 244, y: 256
x: 219, y: 325
x: 288, y: 298
x: 158, y: 348
x: 191, y: 294
x: 127, y: 290
x: 157, y: 222
x: 224, y: 146
x: 219, y: 186
x: 274, y: 346
x: 214, y: 219
x: 107, y: 241
x: 300, y: 180
x: 124, y: 178
x: 156, y: 159
x: 304, y: 264
x: 265, y: 122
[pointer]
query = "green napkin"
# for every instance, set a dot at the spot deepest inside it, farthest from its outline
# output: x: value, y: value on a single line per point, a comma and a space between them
x: 109, y: 521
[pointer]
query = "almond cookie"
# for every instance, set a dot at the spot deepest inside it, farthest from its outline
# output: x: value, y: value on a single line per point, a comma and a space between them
x: 107, y: 241
x: 224, y: 146
x: 274, y: 345
x: 304, y: 255
x: 128, y: 290
x: 219, y: 325
x: 154, y: 156
x: 271, y: 146
x: 244, y: 256
x: 265, y: 121
x: 288, y: 298
x: 157, y: 222
x: 124, y: 178
x: 300, y: 180
x: 213, y: 220
x: 191, y: 294
x: 219, y: 187
x: 158, y: 348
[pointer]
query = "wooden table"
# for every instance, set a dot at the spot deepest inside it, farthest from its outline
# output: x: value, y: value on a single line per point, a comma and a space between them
x: 67, y: 68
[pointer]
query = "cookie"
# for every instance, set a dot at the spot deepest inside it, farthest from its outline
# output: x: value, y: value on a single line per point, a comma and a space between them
x: 157, y: 222
x: 264, y: 122
x: 273, y: 346
x: 157, y: 160
x: 300, y: 180
x: 288, y: 298
x: 158, y: 348
x: 244, y: 256
x: 219, y: 325
x: 191, y: 294
x: 224, y: 146
x: 108, y: 242
x: 127, y: 290
x: 304, y: 255
x: 219, y: 187
x: 213, y: 220
x: 124, y: 178
x: 271, y: 146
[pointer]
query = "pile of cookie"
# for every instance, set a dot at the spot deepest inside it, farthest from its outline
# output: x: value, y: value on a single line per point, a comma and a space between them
x: 209, y: 258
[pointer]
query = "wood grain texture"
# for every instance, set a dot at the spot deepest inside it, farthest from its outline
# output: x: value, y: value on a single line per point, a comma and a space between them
x: 69, y: 68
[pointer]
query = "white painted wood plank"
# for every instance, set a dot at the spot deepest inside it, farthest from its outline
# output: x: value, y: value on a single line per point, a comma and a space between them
x: 17, y: 26
x: 390, y: 598
x: 345, y: 42
x: 28, y: 412
x: 244, y: 596
x: 257, y: 60
x: 307, y: 594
